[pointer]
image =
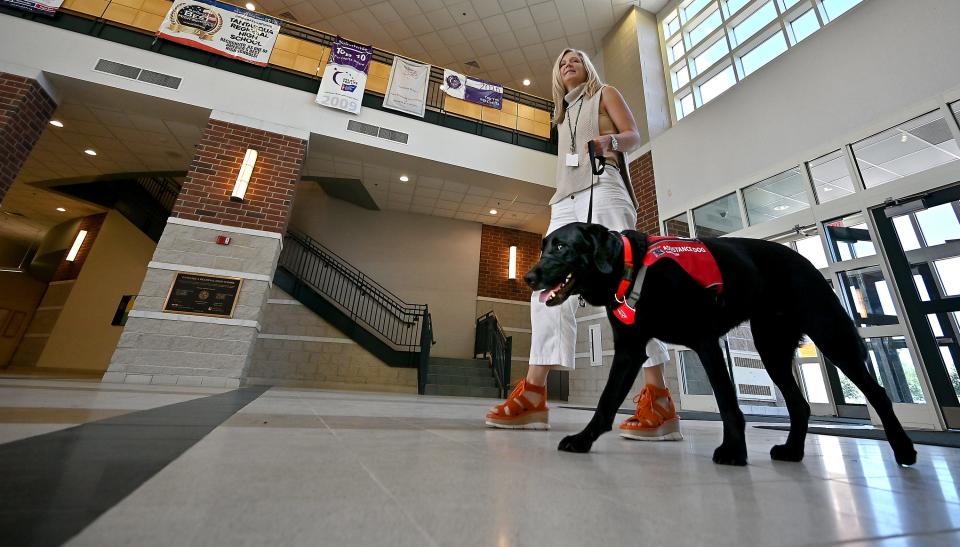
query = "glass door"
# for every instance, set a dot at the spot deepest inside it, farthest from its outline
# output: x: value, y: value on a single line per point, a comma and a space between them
x: 922, y: 239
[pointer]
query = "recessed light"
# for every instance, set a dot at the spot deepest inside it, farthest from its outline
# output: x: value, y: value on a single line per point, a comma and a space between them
x: 526, y: 81
x: 90, y: 152
x: 903, y: 138
x: 61, y: 209
x: 404, y: 178
x: 56, y: 123
x: 827, y: 189
x: 251, y: 7
x: 781, y: 207
x: 493, y: 211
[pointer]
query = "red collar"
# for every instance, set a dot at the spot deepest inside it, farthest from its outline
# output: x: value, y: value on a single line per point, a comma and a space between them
x: 627, y: 270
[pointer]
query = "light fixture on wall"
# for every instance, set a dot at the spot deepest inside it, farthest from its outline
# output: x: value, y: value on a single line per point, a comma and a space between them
x: 56, y: 123
x: 72, y: 255
x: 512, y: 264
x: 243, y: 177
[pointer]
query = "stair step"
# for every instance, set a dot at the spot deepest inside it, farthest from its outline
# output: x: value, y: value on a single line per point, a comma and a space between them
x: 463, y: 391
x: 462, y: 371
x: 456, y: 380
x: 455, y: 362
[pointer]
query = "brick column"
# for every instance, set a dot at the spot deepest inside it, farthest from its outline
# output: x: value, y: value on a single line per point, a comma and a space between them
x: 25, y: 109
x: 644, y: 187
x: 165, y: 348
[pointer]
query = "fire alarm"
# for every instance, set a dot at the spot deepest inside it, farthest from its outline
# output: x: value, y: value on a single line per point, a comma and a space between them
x: 223, y: 240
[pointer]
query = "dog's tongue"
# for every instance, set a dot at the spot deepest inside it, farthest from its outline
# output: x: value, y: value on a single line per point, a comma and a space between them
x: 548, y: 294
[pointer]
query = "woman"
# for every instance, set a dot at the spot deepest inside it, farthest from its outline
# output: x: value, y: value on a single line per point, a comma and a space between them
x: 586, y: 110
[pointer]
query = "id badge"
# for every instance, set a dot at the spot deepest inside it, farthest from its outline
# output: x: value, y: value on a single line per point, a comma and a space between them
x: 573, y: 160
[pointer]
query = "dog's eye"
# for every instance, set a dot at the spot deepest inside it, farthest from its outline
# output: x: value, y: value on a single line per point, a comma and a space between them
x: 559, y: 246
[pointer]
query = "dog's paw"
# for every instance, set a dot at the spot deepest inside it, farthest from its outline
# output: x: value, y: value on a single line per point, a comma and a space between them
x: 905, y: 455
x: 784, y: 453
x: 578, y: 443
x: 726, y: 455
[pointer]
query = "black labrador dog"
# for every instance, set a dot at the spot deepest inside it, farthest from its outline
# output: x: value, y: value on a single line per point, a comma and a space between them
x: 776, y: 289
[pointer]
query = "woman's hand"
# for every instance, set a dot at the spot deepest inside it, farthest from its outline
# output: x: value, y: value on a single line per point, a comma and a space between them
x: 601, y: 145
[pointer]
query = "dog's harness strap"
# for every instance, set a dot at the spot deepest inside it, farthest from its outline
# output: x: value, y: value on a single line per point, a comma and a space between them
x: 627, y: 269
x: 626, y: 312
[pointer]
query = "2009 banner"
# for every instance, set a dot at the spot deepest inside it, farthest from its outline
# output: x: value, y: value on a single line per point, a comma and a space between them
x: 222, y: 29
x: 43, y: 7
x: 472, y: 89
x: 345, y: 77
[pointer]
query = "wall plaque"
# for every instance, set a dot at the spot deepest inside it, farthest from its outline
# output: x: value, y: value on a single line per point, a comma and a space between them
x: 198, y: 294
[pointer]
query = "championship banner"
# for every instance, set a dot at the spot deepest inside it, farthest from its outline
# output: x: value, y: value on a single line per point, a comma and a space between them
x: 472, y: 89
x: 345, y: 77
x: 43, y: 7
x: 407, y: 87
x: 222, y: 29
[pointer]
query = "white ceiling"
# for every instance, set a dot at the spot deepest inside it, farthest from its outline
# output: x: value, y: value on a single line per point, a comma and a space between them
x: 510, y: 39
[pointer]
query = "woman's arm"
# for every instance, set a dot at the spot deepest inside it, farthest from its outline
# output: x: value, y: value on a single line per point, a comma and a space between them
x: 628, y: 136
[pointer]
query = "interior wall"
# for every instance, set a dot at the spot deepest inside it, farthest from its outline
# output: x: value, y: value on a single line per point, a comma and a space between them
x: 621, y: 57
x: 422, y: 259
x: 879, y: 64
x: 83, y: 337
x: 19, y: 295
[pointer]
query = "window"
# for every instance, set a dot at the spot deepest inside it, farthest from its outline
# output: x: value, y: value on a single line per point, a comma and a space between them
x: 940, y: 224
x: 812, y: 249
x: 731, y: 7
x: 869, y: 302
x: 905, y: 233
x: 891, y: 364
x: 710, y: 56
x: 803, y: 26
x: 677, y: 226
x: 713, y: 87
x: 672, y: 25
x: 776, y: 196
x: 676, y: 51
x: 787, y: 4
x: 768, y: 50
x: 911, y: 147
x: 718, y: 217
x: 680, y: 77
x: 831, y: 176
x: 702, y: 30
x: 693, y: 8
x: 754, y: 23
x: 813, y: 383
x: 685, y: 106
x: 849, y: 238
x: 834, y: 8
x: 695, y: 381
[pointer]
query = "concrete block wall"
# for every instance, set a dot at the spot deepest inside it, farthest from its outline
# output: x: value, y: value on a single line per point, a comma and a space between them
x: 296, y: 347
x: 514, y: 317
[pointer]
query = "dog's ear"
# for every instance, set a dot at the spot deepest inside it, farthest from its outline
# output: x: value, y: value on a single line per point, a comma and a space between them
x: 605, y: 248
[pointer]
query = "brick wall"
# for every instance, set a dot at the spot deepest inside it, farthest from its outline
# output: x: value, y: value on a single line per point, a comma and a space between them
x: 25, y: 109
x: 210, y: 179
x: 641, y: 176
x: 71, y: 270
x: 495, y: 245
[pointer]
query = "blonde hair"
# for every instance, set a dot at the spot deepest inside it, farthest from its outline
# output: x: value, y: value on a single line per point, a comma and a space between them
x: 559, y: 90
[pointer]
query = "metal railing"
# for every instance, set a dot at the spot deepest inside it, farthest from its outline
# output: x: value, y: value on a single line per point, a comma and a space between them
x: 402, y: 326
x: 490, y: 342
x: 161, y: 188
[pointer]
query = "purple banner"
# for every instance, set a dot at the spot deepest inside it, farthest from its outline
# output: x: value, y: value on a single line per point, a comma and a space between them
x: 43, y: 7
x: 484, y: 93
x: 351, y: 54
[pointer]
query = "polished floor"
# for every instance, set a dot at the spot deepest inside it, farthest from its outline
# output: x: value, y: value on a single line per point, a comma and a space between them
x: 304, y: 467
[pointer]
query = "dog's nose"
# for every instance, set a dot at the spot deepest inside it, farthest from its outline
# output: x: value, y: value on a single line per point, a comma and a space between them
x: 530, y: 278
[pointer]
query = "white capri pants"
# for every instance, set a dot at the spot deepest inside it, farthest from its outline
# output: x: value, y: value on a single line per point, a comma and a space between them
x: 554, y: 337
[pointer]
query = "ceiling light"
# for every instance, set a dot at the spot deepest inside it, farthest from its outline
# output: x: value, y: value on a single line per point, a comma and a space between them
x: 781, y: 207
x: 526, y: 81
x: 903, y: 138
x: 404, y: 178
x: 90, y: 152
x: 56, y: 123
x: 493, y: 211
x: 61, y: 209
x: 827, y: 189
x: 251, y: 7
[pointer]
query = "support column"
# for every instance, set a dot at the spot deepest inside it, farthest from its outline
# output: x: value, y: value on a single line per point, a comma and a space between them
x: 159, y: 347
x: 25, y: 109
x: 645, y: 188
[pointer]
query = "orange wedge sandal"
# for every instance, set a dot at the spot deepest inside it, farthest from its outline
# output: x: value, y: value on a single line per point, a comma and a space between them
x: 652, y: 421
x: 517, y: 412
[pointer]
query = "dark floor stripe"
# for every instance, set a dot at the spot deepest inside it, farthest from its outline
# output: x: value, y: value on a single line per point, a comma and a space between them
x: 948, y: 439
x: 715, y: 417
x: 54, y: 485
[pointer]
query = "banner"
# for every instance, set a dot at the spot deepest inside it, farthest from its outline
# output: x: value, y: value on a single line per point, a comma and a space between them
x: 345, y: 77
x: 407, y: 87
x: 472, y: 89
x: 222, y: 29
x: 43, y: 7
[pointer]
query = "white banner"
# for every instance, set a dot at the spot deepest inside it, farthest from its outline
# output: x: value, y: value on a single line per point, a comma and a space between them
x: 345, y: 78
x: 454, y: 84
x: 407, y: 87
x: 222, y: 29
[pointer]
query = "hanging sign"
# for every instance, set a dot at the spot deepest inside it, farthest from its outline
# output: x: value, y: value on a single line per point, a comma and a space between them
x: 472, y: 89
x: 222, y: 29
x: 345, y: 77
x: 407, y: 87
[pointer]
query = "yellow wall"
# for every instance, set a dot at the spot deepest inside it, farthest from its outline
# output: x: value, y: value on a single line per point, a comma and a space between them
x: 83, y: 337
x: 18, y: 293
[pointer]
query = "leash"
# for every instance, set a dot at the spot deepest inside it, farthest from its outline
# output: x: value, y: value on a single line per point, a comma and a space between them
x: 597, y: 165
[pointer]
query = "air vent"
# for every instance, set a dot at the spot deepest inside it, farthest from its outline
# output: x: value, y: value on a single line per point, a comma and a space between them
x: 137, y: 73
x: 288, y: 16
x: 474, y: 64
x: 746, y: 362
x: 754, y: 389
x: 380, y: 132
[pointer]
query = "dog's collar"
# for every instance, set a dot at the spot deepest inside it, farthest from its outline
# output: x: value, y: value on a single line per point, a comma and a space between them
x: 627, y: 279
x: 626, y: 311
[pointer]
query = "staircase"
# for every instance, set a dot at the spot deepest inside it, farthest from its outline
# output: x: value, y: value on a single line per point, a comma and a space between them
x: 461, y: 378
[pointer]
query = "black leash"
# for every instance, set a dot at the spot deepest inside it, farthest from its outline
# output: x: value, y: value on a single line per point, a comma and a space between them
x: 597, y: 165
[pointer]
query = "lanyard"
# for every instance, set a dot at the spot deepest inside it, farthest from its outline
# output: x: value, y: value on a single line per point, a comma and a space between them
x: 573, y: 128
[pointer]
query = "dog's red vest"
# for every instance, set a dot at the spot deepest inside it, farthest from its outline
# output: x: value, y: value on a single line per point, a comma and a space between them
x: 692, y: 255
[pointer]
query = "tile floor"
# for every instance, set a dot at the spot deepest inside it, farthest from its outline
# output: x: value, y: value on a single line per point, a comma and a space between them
x: 303, y: 467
